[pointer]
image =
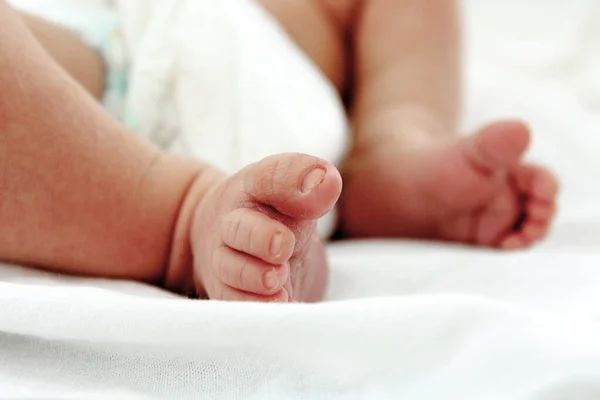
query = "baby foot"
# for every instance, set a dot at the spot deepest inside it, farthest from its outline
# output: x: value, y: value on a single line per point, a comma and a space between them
x: 254, y: 235
x: 473, y: 190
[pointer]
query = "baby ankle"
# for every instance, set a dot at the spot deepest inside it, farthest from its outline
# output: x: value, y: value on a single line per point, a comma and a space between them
x: 179, y: 269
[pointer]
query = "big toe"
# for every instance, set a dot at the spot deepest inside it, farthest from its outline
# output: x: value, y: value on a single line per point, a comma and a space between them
x: 296, y: 185
x: 497, y: 146
x: 464, y: 173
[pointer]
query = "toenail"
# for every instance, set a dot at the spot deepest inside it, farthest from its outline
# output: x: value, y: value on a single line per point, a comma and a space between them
x: 313, y: 179
x: 270, y: 279
x: 276, y: 244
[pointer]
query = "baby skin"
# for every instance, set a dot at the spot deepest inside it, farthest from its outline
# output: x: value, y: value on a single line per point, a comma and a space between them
x: 253, y: 235
x: 474, y: 190
x: 110, y: 204
x: 409, y: 174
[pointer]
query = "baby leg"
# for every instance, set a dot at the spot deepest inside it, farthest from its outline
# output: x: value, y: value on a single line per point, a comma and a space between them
x: 319, y: 28
x: 83, y: 195
x: 80, y: 193
x: 80, y: 61
x: 409, y: 174
x: 427, y: 181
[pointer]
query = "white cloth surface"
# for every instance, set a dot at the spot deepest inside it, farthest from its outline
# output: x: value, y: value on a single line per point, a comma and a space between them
x: 403, y: 319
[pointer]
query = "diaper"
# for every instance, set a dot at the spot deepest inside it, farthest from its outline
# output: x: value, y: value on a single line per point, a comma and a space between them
x: 98, y: 27
x: 221, y: 81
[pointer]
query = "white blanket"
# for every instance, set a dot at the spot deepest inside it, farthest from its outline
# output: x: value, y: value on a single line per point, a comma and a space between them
x: 403, y: 319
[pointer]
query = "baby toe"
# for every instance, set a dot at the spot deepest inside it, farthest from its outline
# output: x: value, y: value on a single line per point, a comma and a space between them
x: 227, y: 293
x: 513, y: 242
x: 297, y: 185
x: 497, y: 146
x: 249, y: 274
x: 540, y: 211
x: 529, y: 232
x: 534, y: 231
x: 252, y: 232
x: 536, y: 182
x: 545, y: 185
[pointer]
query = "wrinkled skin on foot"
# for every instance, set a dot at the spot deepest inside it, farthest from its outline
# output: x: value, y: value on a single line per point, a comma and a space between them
x: 473, y: 190
x: 254, y: 234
